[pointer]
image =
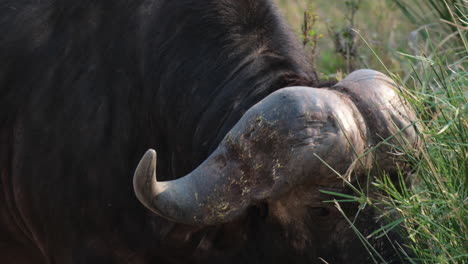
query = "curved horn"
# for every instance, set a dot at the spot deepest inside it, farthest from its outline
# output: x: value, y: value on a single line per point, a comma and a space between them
x: 274, y: 147
x: 205, y: 196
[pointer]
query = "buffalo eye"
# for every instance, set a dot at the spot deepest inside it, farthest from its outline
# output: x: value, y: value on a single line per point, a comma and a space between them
x: 319, y: 211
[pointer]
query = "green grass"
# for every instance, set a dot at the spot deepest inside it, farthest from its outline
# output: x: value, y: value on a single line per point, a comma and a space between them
x: 423, y: 46
x: 435, y: 208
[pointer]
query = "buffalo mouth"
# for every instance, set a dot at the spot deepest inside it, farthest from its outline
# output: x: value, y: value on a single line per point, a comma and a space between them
x: 290, y: 138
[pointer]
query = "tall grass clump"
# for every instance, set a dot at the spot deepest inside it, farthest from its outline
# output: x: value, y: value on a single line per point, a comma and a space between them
x: 433, y: 211
x: 430, y: 205
x: 435, y: 207
x: 428, y: 58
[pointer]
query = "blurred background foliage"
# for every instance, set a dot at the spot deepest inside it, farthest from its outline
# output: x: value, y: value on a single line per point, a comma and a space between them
x: 380, y: 22
x: 388, y: 26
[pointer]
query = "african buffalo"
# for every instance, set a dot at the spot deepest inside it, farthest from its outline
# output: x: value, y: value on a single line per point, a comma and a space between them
x: 86, y: 87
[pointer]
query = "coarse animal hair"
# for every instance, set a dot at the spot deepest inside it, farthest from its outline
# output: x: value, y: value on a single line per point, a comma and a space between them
x: 87, y: 86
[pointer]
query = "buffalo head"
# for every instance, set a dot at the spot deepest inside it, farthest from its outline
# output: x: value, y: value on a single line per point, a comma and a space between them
x: 280, y: 154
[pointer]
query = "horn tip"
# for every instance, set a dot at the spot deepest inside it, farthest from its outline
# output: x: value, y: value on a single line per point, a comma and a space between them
x: 147, y: 163
x: 148, y: 160
x: 151, y: 153
x: 145, y: 174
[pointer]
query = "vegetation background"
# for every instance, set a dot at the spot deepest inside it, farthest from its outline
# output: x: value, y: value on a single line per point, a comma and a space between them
x: 381, y: 22
x: 423, y: 46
